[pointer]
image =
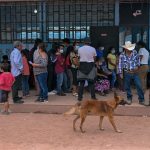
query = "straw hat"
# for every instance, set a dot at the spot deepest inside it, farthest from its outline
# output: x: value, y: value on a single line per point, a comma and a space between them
x: 128, y: 45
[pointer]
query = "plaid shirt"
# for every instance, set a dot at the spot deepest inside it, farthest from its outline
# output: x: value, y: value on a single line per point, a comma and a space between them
x: 128, y: 63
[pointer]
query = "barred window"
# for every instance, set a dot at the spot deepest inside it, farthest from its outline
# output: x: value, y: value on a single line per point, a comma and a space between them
x: 53, y: 20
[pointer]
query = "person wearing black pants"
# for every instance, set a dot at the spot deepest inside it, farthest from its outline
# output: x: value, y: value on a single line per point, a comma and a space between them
x: 15, y: 88
x: 86, y: 70
x: 81, y: 88
x: 16, y: 70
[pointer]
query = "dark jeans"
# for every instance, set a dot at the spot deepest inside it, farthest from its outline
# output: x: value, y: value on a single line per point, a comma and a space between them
x: 51, y: 78
x: 91, y: 86
x: 16, y: 87
x: 42, y: 81
x: 127, y: 80
x: 61, y: 81
x: 25, y: 85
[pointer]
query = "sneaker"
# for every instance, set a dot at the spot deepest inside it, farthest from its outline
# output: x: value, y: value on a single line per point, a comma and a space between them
x: 19, y: 102
x: 38, y: 99
x: 46, y: 100
x: 51, y: 93
x: 94, y: 98
x: 75, y: 94
x: 142, y: 103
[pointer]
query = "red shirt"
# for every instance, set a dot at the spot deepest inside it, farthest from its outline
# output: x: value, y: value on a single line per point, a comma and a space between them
x: 6, y: 81
x: 60, y: 64
x: 25, y: 66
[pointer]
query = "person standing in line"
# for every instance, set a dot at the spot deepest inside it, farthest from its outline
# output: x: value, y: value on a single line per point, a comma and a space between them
x: 129, y: 62
x: 112, y: 61
x: 143, y: 70
x: 86, y: 70
x: 16, y: 70
x: 40, y: 62
x: 6, y: 82
x: 60, y: 71
x: 5, y: 61
x: 25, y: 75
x: 32, y: 79
x: 100, y: 52
x: 51, y: 82
x: 74, y: 67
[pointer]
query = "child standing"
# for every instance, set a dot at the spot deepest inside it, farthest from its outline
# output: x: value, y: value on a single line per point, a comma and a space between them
x: 6, y: 82
x: 25, y: 75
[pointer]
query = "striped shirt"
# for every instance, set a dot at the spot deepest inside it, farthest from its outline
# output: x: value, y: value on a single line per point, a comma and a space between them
x: 128, y: 63
x: 43, y: 62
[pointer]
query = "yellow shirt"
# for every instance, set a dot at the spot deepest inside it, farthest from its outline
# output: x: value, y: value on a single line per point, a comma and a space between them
x: 113, y: 59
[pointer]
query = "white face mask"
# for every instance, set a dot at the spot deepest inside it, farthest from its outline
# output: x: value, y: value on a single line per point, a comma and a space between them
x: 77, y: 47
x: 61, y: 51
x: 113, y: 51
x: 101, y: 48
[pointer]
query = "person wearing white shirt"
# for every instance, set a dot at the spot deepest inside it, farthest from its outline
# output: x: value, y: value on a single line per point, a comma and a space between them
x: 16, y: 70
x: 143, y: 70
x: 86, y: 70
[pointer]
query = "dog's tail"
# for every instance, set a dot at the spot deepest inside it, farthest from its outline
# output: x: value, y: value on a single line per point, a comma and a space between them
x: 74, y: 110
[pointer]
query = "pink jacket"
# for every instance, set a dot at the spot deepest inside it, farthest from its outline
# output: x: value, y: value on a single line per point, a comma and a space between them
x: 6, y: 81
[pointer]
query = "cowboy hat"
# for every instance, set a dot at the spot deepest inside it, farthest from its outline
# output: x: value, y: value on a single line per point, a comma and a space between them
x: 128, y: 45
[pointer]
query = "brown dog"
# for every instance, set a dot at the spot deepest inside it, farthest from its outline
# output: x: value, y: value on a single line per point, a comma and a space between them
x: 101, y: 108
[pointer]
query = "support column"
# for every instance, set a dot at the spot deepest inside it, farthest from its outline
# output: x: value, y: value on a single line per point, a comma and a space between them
x: 116, y: 12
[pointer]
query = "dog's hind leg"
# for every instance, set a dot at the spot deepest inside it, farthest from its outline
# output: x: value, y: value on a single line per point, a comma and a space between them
x: 83, y: 115
x: 100, y: 122
x: 111, y: 119
x: 74, y: 122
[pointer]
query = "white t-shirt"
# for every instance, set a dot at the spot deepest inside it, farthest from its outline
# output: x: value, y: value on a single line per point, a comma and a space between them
x: 86, y: 53
x: 145, y: 55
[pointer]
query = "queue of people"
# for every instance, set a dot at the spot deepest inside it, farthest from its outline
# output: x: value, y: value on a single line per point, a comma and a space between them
x: 68, y: 67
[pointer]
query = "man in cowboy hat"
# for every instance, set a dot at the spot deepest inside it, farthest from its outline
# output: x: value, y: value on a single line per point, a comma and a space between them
x: 129, y: 63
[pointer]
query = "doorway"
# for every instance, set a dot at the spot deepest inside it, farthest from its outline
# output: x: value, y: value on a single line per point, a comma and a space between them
x: 133, y: 34
x: 105, y: 36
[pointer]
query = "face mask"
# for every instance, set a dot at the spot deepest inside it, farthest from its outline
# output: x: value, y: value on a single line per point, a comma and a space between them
x: 101, y: 48
x: 113, y: 51
x: 61, y: 51
x: 77, y: 47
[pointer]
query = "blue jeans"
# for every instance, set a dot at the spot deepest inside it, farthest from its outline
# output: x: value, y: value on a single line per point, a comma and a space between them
x: 113, y: 79
x: 25, y: 85
x: 137, y: 81
x: 61, y: 77
x: 42, y: 81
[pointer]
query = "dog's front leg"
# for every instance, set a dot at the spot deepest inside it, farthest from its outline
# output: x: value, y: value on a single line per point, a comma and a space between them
x: 100, y: 122
x: 74, y: 122
x: 81, y: 124
x: 111, y: 119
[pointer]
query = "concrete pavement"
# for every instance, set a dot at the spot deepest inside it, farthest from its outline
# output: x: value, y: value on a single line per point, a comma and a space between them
x: 59, y: 104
